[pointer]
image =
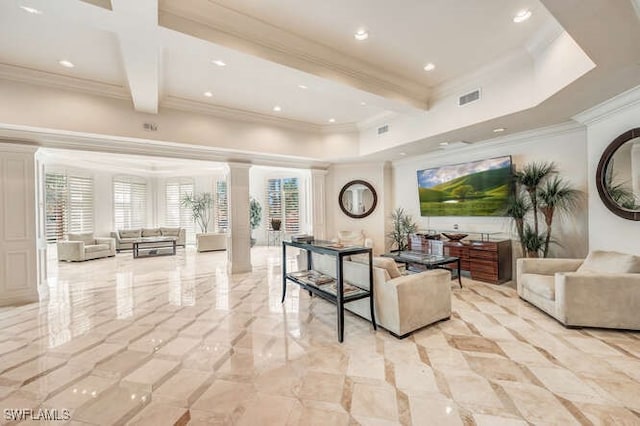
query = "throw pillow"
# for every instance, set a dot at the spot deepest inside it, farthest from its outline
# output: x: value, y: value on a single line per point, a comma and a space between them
x: 170, y: 232
x: 385, y: 263
x: 610, y: 262
x: 150, y: 232
x: 129, y: 233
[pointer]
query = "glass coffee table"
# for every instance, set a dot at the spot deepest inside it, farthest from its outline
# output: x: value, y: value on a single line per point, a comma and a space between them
x: 430, y: 261
x: 154, y: 246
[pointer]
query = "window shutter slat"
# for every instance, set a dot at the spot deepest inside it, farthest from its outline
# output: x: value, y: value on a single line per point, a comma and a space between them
x: 129, y: 202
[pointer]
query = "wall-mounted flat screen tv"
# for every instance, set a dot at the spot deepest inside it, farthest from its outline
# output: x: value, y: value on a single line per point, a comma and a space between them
x: 478, y: 188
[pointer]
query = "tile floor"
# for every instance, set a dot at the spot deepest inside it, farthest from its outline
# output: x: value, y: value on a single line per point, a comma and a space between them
x: 175, y: 340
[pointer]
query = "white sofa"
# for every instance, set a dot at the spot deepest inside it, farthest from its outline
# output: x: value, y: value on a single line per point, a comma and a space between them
x: 602, y: 290
x: 403, y: 303
x: 84, y: 246
x: 125, y: 237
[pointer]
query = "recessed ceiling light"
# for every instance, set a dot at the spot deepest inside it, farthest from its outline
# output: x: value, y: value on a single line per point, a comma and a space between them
x: 522, y: 16
x: 499, y: 130
x: 363, y: 103
x: 65, y: 63
x: 208, y: 94
x: 219, y: 63
x: 277, y: 108
x: 332, y: 120
x: 444, y: 143
x: 403, y: 154
x: 429, y: 67
x: 302, y: 86
x: 31, y: 10
x: 361, y: 34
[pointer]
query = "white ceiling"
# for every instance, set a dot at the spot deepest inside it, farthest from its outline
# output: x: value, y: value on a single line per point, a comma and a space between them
x: 157, y: 53
x: 126, y: 47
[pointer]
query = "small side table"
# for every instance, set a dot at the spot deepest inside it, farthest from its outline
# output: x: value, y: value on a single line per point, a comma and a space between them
x: 274, y: 237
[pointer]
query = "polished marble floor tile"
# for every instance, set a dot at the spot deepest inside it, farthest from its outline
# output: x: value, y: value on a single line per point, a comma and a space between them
x: 176, y: 340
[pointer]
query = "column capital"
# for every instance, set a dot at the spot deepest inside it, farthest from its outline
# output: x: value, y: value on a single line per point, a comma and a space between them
x: 320, y: 172
x: 238, y: 165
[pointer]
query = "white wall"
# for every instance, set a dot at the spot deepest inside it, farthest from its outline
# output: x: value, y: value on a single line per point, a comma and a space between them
x: 564, y: 145
x: 258, y: 176
x: 606, y: 230
x: 374, y: 225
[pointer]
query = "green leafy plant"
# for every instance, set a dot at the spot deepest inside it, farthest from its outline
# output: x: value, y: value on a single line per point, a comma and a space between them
x: 200, y: 205
x: 403, y: 225
x: 621, y: 193
x: 539, y: 193
x: 255, y: 213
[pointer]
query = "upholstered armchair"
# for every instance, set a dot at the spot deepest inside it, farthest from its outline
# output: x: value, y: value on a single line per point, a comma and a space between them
x: 84, y: 246
x: 602, y: 290
x: 353, y: 238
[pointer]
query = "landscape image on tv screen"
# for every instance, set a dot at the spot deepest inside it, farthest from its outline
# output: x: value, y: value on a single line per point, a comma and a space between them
x: 478, y: 188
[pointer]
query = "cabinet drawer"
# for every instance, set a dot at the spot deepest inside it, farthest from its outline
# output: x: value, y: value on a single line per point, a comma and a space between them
x: 462, y: 253
x: 490, y: 278
x: 483, y: 254
x: 484, y: 266
x: 484, y: 245
x: 465, y: 265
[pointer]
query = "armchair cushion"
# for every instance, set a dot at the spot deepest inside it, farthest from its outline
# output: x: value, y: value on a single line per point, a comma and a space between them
x: 610, y: 262
x: 380, y: 262
x: 542, y: 285
x: 86, y: 237
x: 95, y: 247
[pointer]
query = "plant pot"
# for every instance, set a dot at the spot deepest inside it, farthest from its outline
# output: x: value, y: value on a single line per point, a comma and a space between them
x: 276, y: 224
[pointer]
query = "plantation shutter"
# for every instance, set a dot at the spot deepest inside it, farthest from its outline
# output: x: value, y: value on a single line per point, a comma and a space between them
x: 55, y: 206
x: 222, y: 206
x: 129, y: 202
x: 178, y: 216
x: 283, y: 202
x: 274, y: 200
x: 291, y: 205
x: 80, y: 203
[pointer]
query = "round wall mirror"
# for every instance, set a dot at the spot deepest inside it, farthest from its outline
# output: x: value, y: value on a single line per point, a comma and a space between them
x: 618, y: 175
x: 358, y: 199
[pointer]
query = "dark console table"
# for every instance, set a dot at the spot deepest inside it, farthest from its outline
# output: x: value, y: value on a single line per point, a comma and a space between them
x: 335, y: 291
x: 486, y: 260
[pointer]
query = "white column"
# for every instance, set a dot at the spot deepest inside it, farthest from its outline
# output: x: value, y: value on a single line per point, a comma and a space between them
x: 238, y: 242
x: 18, y: 253
x: 318, y: 204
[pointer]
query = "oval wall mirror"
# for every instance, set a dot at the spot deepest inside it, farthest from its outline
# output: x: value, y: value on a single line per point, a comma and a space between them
x: 618, y: 175
x: 358, y: 199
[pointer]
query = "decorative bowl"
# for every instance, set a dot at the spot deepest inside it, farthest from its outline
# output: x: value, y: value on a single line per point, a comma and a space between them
x: 454, y: 237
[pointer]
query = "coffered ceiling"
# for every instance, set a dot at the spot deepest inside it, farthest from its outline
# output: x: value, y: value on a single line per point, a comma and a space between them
x: 297, y: 63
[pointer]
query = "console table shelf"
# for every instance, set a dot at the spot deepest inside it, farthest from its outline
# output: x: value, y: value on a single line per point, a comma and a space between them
x: 333, y: 291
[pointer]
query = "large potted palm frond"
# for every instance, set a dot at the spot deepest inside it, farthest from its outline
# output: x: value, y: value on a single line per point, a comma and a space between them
x: 540, y: 193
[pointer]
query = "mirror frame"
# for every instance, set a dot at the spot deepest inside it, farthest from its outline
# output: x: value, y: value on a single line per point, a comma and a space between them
x: 601, y: 174
x: 366, y: 213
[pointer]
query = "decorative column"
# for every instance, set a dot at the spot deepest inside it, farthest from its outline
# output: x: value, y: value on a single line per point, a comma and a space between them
x: 239, y: 239
x: 318, y: 205
x: 18, y: 253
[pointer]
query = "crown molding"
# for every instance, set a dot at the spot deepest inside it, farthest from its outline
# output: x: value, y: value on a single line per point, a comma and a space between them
x: 49, y: 79
x: 522, y: 138
x: 50, y: 138
x: 609, y: 107
x: 188, y: 105
x: 231, y: 28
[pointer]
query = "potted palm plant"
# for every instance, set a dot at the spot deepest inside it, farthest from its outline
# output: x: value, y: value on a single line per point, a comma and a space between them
x: 200, y: 205
x: 539, y: 193
x: 403, y: 226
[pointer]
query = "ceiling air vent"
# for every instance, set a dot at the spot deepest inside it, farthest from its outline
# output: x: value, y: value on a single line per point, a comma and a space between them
x: 150, y: 127
x: 469, y: 97
x: 383, y: 129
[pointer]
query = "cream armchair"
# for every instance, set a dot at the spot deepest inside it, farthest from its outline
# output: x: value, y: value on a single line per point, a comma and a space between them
x: 83, y: 246
x: 601, y: 291
x: 353, y: 238
x: 403, y: 303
